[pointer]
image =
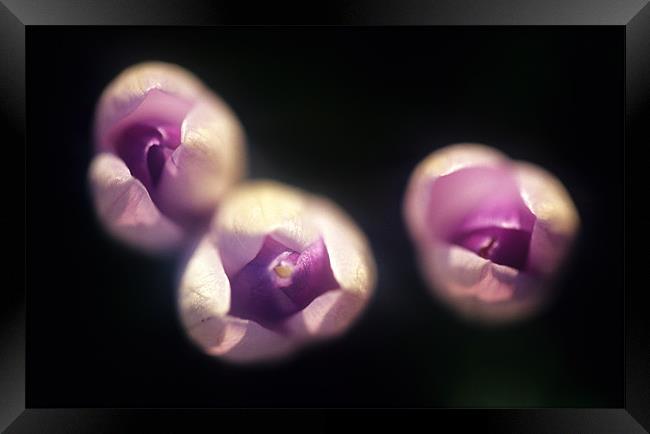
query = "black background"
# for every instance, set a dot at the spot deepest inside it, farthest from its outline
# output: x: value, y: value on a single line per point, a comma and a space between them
x: 345, y: 112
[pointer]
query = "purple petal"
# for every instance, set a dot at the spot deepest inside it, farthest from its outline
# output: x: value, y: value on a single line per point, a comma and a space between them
x: 492, y: 222
x: 145, y: 149
x: 443, y: 162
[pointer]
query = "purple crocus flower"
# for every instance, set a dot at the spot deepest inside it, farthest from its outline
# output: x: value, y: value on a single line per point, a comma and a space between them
x: 167, y: 150
x: 490, y: 232
x: 278, y: 268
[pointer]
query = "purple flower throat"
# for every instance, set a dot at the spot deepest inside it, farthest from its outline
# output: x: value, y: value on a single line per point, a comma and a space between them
x: 504, y: 246
x: 492, y: 220
x: 146, y: 138
x: 145, y: 149
x: 280, y: 281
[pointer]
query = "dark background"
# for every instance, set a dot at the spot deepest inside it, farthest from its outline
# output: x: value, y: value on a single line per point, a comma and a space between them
x: 345, y: 112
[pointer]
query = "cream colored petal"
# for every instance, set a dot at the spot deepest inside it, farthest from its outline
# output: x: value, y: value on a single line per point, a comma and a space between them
x: 256, y: 209
x: 547, y: 198
x: 125, y: 208
x: 349, y: 252
x: 455, y: 270
x: 254, y: 343
x: 205, y: 289
x: 210, y: 160
x: 458, y: 156
x: 130, y: 87
x: 557, y: 218
x: 328, y: 315
x: 204, y: 301
x: 441, y: 162
x: 478, y: 288
x: 238, y: 340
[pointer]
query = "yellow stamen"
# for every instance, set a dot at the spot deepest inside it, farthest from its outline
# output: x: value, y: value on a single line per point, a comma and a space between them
x: 283, y: 270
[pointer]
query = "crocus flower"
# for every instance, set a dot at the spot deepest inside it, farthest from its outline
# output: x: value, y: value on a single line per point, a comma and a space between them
x: 278, y: 268
x: 167, y: 150
x: 491, y: 233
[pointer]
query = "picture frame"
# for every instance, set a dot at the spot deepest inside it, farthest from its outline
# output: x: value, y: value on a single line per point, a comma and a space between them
x: 15, y: 22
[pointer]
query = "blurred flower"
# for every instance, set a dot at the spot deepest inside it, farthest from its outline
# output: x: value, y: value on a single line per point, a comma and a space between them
x: 490, y: 232
x: 168, y: 149
x: 278, y: 268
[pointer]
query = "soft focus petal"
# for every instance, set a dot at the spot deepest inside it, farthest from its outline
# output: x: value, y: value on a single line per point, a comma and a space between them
x: 349, y: 251
x: 254, y: 343
x: 442, y: 162
x: 256, y: 209
x: 354, y: 268
x: 478, y: 288
x: 204, y: 302
x: 123, y: 205
x: 238, y: 340
x: 328, y: 315
x: 490, y: 232
x: 208, y: 162
x: 557, y: 217
x: 205, y: 289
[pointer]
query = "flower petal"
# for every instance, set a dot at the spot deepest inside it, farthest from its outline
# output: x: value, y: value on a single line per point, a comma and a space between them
x: 210, y: 160
x: 238, y: 340
x: 205, y: 288
x: 328, y: 315
x: 349, y: 251
x: 439, y: 163
x: 557, y: 218
x: 477, y: 287
x: 125, y: 207
x: 204, y: 301
x: 254, y: 210
x: 254, y: 342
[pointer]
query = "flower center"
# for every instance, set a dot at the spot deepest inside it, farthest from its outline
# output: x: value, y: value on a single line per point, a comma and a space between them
x: 502, y: 246
x: 498, y: 229
x: 145, y: 149
x: 480, y: 209
x: 284, y: 270
x: 280, y: 281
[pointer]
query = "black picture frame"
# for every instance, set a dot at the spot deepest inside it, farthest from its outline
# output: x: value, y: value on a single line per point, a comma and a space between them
x: 16, y: 16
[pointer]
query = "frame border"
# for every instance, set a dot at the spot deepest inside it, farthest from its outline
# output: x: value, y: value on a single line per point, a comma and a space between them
x: 634, y: 15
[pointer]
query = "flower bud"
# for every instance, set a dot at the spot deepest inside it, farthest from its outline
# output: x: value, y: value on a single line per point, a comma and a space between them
x: 167, y: 150
x: 278, y: 268
x: 490, y: 233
